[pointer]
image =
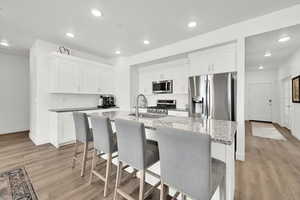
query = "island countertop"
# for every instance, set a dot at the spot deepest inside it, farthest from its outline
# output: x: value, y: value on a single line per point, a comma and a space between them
x: 221, y: 131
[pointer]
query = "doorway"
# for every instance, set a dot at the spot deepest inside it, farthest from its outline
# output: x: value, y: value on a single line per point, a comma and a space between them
x: 260, y: 102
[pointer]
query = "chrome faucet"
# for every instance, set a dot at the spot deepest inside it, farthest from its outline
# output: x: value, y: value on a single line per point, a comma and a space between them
x: 137, y: 114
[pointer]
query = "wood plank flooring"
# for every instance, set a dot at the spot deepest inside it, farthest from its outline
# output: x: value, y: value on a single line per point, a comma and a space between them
x: 50, y: 170
x: 271, y: 170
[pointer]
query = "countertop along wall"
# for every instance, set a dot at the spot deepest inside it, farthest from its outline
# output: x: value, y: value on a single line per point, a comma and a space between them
x: 291, y: 68
x: 14, y: 93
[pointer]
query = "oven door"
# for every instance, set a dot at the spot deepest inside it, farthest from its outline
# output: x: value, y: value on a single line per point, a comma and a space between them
x: 162, y: 87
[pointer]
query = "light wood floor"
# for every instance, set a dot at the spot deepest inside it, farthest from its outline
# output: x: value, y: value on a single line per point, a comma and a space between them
x: 50, y: 170
x: 271, y: 170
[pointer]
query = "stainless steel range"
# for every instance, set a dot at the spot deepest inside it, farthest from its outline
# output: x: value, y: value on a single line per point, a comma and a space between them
x: 162, y: 106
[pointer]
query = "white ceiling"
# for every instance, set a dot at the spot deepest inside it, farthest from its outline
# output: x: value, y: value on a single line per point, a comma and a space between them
x: 257, y: 45
x: 125, y: 23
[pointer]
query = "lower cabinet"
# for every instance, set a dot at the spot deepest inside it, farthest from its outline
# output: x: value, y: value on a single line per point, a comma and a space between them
x: 62, y: 130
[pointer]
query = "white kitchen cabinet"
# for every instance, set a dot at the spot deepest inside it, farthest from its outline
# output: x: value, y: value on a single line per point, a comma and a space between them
x: 200, y: 63
x: 62, y: 129
x: 176, y: 70
x: 64, y: 76
x: 105, y: 80
x: 70, y: 74
x: 213, y: 60
x: 145, y: 84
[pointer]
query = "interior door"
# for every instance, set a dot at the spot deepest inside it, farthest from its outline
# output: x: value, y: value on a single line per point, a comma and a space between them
x: 260, y: 102
x: 287, y: 96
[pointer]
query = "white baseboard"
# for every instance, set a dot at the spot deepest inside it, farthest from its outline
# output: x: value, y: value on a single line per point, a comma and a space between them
x: 37, y: 142
x: 240, y: 157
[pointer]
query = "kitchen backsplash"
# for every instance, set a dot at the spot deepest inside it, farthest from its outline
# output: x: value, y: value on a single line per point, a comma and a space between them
x: 72, y: 100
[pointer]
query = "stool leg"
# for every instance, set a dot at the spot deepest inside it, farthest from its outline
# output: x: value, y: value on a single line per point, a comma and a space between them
x: 163, y: 191
x: 142, y: 184
x: 75, y: 155
x: 107, y: 177
x: 94, y: 162
x: 85, y: 149
x: 118, y: 179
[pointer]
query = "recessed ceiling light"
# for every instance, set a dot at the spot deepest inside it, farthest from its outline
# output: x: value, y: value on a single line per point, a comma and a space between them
x: 118, y: 52
x: 4, y: 43
x: 268, y: 54
x: 70, y: 35
x: 261, y: 67
x: 146, y: 42
x: 284, y: 38
x: 96, y: 12
x: 192, y: 24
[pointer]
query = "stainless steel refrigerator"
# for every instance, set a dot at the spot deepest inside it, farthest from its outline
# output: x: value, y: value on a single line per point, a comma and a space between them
x: 213, y: 96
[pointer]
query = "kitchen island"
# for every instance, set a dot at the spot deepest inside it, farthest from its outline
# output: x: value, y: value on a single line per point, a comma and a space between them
x: 222, y: 134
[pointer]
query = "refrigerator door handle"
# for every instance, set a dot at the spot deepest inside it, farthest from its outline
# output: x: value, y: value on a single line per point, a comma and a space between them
x: 202, y: 106
x: 229, y: 95
x: 208, y: 98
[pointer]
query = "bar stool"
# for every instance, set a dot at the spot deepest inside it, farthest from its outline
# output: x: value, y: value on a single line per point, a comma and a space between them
x: 186, y: 164
x: 84, y: 136
x: 105, y: 142
x: 137, y: 152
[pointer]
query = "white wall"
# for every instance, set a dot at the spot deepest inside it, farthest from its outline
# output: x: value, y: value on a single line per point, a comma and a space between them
x: 236, y: 32
x: 265, y: 76
x: 291, y: 68
x: 41, y: 100
x: 14, y: 93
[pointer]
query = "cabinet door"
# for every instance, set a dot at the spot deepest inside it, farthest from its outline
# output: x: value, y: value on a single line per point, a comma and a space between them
x: 200, y: 63
x: 145, y: 86
x: 67, y: 129
x: 89, y: 79
x: 224, y: 58
x: 68, y: 76
x: 105, y: 80
x: 180, y: 79
x: 54, y: 76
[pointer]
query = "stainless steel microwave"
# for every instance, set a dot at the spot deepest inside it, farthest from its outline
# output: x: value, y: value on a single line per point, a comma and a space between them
x: 160, y: 87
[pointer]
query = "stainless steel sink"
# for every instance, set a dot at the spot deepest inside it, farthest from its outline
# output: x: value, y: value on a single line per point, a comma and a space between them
x: 147, y: 115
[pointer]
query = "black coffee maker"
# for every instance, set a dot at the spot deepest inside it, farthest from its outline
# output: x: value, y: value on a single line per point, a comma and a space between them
x: 106, y: 101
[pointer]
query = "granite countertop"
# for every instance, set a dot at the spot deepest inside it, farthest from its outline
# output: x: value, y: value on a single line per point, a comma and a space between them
x: 220, y: 131
x: 78, y: 109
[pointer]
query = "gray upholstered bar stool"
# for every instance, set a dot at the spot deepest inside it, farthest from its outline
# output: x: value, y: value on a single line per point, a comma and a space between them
x: 84, y: 136
x: 137, y: 152
x: 186, y: 164
x: 105, y: 142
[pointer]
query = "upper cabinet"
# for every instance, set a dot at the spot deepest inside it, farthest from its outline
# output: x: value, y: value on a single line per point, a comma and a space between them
x: 176, y: 70
x: 213, y: 60
x: 69, y: 74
